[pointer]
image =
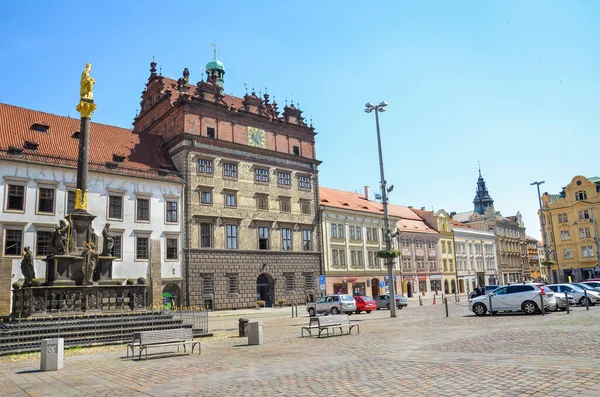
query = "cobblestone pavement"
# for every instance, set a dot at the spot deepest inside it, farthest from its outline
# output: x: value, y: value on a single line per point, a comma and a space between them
x: 420, y: 353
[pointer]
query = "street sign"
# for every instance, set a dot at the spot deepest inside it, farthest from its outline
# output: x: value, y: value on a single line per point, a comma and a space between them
x: 381, y: 284
x: 322, y: 283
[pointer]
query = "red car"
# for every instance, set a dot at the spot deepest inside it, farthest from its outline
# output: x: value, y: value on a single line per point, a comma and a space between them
x: 364, y: 304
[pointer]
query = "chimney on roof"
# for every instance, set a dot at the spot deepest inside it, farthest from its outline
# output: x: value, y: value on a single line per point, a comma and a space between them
x: 422, y: 208
x: 410, y: 206
x: 452, y: 214
x: 367, y: 193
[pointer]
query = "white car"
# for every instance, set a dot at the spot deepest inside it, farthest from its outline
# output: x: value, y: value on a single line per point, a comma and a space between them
x: 517, y: 297
x: 576, y: 291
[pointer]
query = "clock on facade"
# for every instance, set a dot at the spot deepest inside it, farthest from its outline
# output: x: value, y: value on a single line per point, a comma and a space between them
x: 256, y: 137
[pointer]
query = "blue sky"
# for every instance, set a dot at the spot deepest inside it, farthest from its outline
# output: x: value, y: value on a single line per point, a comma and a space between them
x: 513, y: 84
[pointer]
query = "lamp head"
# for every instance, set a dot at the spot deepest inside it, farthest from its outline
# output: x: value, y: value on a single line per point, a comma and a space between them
x: 368, y: 110
x: 383, y: 104
x: 380, y: 109
x: 390, y: 188
x: 369, y: 105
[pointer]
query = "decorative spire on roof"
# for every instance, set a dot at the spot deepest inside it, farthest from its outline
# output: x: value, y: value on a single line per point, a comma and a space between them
x: 215, y: 70
x: 482, y: 199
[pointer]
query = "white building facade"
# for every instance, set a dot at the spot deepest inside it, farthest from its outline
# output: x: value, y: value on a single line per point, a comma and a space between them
x: 476, y: 259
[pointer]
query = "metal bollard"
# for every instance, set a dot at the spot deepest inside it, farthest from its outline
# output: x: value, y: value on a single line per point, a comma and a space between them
x: 420, y: 301
x: 491, y: 309
x: 567, y: 300
x: 242, y: 326
x: 587, y: 300
x: 542, y: 305
x: 446, y: 303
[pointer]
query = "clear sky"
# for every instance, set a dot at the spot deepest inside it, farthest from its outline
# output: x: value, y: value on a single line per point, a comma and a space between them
x: 513, y: 84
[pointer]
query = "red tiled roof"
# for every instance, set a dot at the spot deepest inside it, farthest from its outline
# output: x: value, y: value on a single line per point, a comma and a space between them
x: 403, y: 212
x: 171, y: 84
x: 348, y: 200
x: 143, y: 153
x: 410, y: 225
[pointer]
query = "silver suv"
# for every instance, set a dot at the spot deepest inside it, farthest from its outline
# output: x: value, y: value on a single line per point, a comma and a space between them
x: 517, y: 297
x: 334, y: 304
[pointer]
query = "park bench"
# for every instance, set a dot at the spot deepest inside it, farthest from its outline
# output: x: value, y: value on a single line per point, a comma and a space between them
x: 169, y: 337
x: 325, y: 323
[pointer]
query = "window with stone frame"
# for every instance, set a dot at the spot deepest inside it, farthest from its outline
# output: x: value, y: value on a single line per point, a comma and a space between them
x: 358, y: 233
x: 353, y: 258
x: 285, y: 204
x: 450, y: 265
x: 262, y: 202
x: 206, y: 235
x: 284, y: 178
x: 305, y: 207
x: 143, y: 210
x: 431, y: 244
x: 307, y: 240
x: 15, y: 200
x: 581, y: 195
x: 419, y: 243
x: 13, y: 242
x: 233, y: 283
x: 43, y: 243
x: 290, y: 281
x: 142, y: 248
x: 206, y: 197
x: 208, y: 283
x: 205, y: 166
x: 230, y: 199
x: 567, y: 253
x: 117, y: 250
x: 70, y: 201
x: 421, y: 264
x: 286, y: 239
x: 565, y: 235
x: 449, y: 247
x: 584, y: 214
x: 563, y: 218
x: 261, y: 175
x: 115, y: 207
x: 309, y: 281
x: 584, y: 232
x: 445, y: 264
x: 443, y: 247
x: 172, y: 248
x: 172, y: 211
x: 341, y: 231
x: 46, y: 200
x: 334, y: 258
x: 210, y: 132
x: 304, y: 182
x: 375, y: 234
x: 368, y: 234
x: 263, y: 238
x: 333, y: 230
x: 351, y: 232
x: 232, y: 233
x: 406, y: 262
x: 230, y: 170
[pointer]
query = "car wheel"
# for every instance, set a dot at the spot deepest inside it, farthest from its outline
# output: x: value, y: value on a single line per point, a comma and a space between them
x: 311, y: 312
x: 335, y: 310
x: 367, y: 311
x: 400, y: 307
x: 387, y: 306
x: 529, y: 307
x: 378, y: 308
x: 479, y: 309
x: 582, y: 301
x: 357, y: 311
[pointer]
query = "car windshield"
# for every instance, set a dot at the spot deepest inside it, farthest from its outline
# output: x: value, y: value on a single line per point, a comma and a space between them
x: 594, y: 284
x: 346, y: 298
x: 546, y: 289
x: 367, y: 298
x: 583, y: 286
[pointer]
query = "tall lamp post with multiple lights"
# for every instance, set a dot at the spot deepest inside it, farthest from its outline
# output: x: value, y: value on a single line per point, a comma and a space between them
x: 387, y: 235
x: 543, y: 223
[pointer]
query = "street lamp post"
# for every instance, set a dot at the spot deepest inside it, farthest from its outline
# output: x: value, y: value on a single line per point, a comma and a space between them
x: 543, y: 223
x: 387, y: 235
x: 596, y: 239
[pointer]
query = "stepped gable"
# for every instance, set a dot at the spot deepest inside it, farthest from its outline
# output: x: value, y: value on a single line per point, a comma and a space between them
x: 33, y: 136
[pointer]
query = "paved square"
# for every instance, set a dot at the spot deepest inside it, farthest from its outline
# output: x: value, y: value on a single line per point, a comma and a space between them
x: 420, y: 353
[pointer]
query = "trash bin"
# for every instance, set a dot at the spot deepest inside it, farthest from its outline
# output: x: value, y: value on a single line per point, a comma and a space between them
x: 255, y: 333
x: 242, y: 326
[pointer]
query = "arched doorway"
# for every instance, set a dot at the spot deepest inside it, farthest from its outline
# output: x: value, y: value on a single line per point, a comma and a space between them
x: 453, y: 284
x: 446, y: 289
x: 375, y: 287
x: 170, y: 296
x: 264, y: 289
x: 409, y: 289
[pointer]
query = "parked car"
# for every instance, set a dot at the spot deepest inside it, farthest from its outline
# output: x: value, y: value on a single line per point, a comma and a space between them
x: 365, y: 304
x: 594, y: 284
x: 517, y: 297
x: 592, y: 294
x: 487, y: 290
x: 334, y: 304
x: 561, y: 302
x: 572, y: 289
x: 383, y: 301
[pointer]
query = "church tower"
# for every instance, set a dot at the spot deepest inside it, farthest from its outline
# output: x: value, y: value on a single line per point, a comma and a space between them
x: 482, y: 197
x: 215, y: 70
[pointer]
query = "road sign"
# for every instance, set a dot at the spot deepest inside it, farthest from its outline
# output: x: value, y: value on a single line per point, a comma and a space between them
x: 322, y: 283
x: 381, y: 284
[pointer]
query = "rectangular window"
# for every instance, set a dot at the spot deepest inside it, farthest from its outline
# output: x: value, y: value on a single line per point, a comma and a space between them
x: 231, y: 236
x: 263, y: 238
x: 210, y: 132
x: 342, y: 255
x: 421, y: 263
x: 375, y: 234
x: 284, y: 178
x: 358, y: 233
x: 307, y: 240
x: 368, y: 234
x: 261, y: 175
x: 43, y: 244
x: 584, y: 251
x: 172, y: 211
x: 143, y: 210
x: 564, y: 235
x: 351, y: 232
x: 305, y: 207
x: 172, y: 248
x: 581, y: 195
x: 115, y: 207
x: 304, y: 182
x: 285, y: 205
x: 230, y: 170
x: 353, y: 257
x: 290, y: 281
x: 16, y: 198
x: 449, y: 247
x: 445, y: 264
x: 205, y: 166
x: 70, y: 201
x: 230, y: 200
x: 206, y: 235
x: 371, y: 258
x: 341, y: 231
x: 451, y: 265
x: 590, y: 251
x: 206, y: 197
x: 333, y: 230
x: 117, y: 245
x: 141, y: 251
x: 296, y: 150
x: 208, y: 283
x: 584, y: 214
x: 443, y: 247
x: 46, y: 200
x: 233, y: 283
x: 567, y: 253
x: 309, y: 281
x: 262, y: 203
x: 286, y: 239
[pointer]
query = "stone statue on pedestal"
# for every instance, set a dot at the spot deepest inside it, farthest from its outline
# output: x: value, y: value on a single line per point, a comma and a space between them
x: 60, y: 238
x: 107, y: 241
x: 27, y: 267
x: 90, y: 260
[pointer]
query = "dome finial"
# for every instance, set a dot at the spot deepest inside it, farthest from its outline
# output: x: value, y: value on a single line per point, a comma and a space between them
x: 214, y: 45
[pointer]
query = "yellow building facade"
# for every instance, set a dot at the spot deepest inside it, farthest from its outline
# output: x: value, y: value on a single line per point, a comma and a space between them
x: 571, y: 231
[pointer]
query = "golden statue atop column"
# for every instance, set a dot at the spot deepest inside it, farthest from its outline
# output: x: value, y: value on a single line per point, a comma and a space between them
x: 86, y: 105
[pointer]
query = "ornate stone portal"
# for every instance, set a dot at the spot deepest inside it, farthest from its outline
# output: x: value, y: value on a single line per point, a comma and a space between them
x: 78, y: 277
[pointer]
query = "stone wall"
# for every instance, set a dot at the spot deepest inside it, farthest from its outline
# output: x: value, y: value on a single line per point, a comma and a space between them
x: 248, y: 265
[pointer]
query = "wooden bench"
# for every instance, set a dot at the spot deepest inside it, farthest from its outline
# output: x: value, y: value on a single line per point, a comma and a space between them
x: 325, y: 323
x: 168, y: 337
